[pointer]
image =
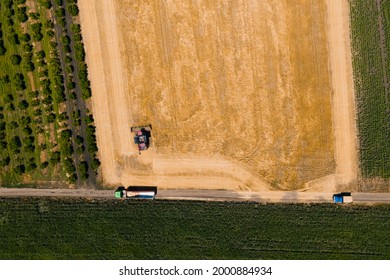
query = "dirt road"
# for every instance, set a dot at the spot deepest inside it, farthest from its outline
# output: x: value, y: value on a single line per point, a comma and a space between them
x: 343, y: 103
x: 207, y: 195
x: 110, y: 108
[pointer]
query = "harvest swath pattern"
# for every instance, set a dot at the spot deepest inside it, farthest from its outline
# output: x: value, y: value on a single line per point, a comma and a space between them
x: 221, y: 80
x: 370, y: 27
x: 70, y: 229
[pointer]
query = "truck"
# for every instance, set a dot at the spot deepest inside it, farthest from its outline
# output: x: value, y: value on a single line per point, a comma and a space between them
x: 146, y: 192
x: 343, y: 197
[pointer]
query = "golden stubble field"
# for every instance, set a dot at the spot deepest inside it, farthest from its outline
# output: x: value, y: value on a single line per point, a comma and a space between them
x: 239, y: 93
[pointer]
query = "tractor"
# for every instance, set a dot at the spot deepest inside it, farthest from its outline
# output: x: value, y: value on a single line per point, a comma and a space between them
x: 142, y: 135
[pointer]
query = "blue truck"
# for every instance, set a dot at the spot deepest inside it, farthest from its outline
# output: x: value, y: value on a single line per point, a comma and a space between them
x: 343, y: 197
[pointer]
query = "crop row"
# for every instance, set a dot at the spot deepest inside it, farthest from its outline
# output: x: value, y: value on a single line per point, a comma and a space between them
x: 191, y: 230
x: 370, y: 25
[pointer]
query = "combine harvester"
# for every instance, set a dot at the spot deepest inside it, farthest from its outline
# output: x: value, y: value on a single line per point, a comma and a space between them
x: 136, y: 192
x: 142, y: 135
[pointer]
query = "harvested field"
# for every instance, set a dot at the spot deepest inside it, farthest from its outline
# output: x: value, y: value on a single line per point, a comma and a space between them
x: 238, y: 96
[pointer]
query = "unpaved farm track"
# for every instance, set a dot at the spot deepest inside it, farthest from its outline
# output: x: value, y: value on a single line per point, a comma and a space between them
x: 238, y: 96
x: 343, y: 105
x: 109, y: 106
x: 206, y: 195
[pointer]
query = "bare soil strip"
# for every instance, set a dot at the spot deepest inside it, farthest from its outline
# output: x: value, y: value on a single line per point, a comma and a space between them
x: 101, y: 45
x: 206, y: 195
x: 343, y: 103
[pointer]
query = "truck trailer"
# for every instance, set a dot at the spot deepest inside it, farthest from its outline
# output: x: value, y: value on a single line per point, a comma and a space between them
x: 146, y: 192
x: 343, y: 197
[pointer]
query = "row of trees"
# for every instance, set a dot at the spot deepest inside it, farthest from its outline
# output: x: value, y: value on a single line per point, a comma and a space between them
x: 76, y: 81
x: 4, y: 161
x: 77, y: 72
x: 59, y: 73
x: 74, y: 142
x: 38, y: 107
x: 17, y: 138
x: 80, y: 58
x: 2, y: 47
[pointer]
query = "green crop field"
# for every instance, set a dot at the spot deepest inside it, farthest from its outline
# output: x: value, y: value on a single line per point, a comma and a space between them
x: 46, y: 131
x: 81, y: 229
x: 370, y: 26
